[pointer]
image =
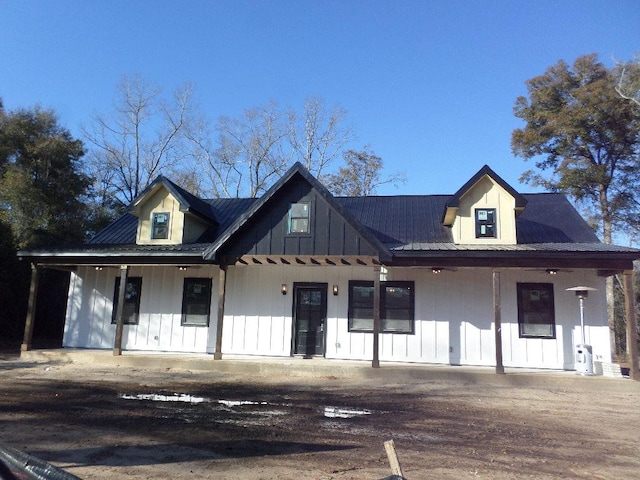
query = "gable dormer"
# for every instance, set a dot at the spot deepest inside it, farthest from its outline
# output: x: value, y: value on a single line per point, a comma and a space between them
x: 169, y: 215
x: 484, y: 210
x: 297, y: 216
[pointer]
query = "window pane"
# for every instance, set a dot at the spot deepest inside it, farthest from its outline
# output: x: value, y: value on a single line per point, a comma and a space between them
x: 486, y: 222
x: 300, y: 210
x: 362, y: 296
x: 160, y: 226
x: 396, y: 306
x: 397, y: 297
x: 536, y: 312
x: 131, y: 306
x: 362, y: 319
x: 299, y: 215
x: 196, y: 301
x: 400, y: 325
x: 299, y: 225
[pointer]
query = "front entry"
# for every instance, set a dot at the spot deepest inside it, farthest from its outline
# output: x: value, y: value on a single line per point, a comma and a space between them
x: 310, y: 313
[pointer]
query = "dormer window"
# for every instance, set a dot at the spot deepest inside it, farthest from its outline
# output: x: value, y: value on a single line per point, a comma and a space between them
x: 160, y: 226
x: 485, y: 223
x: 299, y: 218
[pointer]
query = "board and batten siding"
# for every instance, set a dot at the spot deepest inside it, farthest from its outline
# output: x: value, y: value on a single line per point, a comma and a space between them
x: 267, y: 233
x: 453, y: 315
x: 90, y: 306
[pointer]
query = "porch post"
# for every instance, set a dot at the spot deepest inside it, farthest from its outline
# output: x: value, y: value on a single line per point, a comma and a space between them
x: 630, y: 317
x: 222, y: 290
x: 375, y: 363
x: 497, y: 320
x: 117, y: 347
x: 31, y: 309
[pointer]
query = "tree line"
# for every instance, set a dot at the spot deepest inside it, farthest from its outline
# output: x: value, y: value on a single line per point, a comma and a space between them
x: 581, y: 129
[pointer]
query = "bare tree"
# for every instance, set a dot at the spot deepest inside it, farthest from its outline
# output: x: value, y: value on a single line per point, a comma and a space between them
x: 361, y: 176
x: 139, y: 140
x: 250, y: 151
x: 319, y: 135
x: 242, y: 156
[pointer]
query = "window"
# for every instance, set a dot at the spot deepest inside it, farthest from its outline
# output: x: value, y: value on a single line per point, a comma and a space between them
x: 131, y: 308
x: 160, y: 226
x: 396, y: 307
x: 299, y: 217
x: 536, y: 311
x: 196, y: 301
x: 485, y: 223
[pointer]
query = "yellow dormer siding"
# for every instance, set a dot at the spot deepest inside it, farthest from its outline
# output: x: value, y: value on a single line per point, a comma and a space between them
x: 484, y: 210
x: 169, y: 215
x: 486, y: 195
x: 160, y: 202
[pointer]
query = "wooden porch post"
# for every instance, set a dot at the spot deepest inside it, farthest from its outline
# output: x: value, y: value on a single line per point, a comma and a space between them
x: 31, y: 309
x: 630, y: 317
x: 117, y: 347
x: 375, y: 363
x: 222, y: 290
x: 497, y: 319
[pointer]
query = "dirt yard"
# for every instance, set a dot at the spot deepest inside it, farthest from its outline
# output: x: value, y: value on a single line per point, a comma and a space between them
x: 105, y: 422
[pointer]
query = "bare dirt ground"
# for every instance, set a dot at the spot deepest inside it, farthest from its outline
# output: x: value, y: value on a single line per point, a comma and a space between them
x: 105, y: 422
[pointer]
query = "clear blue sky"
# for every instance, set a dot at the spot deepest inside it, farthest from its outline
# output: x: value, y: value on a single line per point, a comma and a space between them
x: 429, y: 85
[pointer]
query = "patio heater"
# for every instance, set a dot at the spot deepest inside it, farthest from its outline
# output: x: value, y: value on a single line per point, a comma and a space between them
x: 584, y: 352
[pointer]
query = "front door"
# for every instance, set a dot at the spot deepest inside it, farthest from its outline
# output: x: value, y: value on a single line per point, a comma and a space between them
x: 310, y: 312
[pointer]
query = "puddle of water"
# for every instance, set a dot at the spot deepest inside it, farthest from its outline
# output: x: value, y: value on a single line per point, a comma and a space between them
x: 239, y: 403
x: 328, y: 411
x: 186, y: 398
x: 155, y: 397
x: 337, y: 412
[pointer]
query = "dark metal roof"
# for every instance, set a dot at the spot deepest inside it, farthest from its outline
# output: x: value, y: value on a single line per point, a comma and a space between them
x: 405, y: 222
x: 399, y: 220
x: 406, y: 227
x: 550, y: 218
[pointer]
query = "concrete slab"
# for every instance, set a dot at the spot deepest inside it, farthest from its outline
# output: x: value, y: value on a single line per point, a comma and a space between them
x: 256, y: 366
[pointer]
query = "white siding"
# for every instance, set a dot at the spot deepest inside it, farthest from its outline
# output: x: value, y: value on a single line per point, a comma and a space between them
x: 90, y: 305
x: 453, y: 315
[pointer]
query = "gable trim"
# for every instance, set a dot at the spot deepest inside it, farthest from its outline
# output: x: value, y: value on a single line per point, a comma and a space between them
x: 188, y: 202
x: 451, y: 209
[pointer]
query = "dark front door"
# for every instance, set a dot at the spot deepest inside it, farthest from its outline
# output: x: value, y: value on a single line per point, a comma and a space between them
x: 310, y: 311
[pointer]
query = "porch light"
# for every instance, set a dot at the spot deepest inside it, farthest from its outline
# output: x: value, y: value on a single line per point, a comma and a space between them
x: 98, y: 269
x: 436, y: 270
x: 335, y: 290
x: 183, y: 268
x: 552, y: 271
x: 284, y: 289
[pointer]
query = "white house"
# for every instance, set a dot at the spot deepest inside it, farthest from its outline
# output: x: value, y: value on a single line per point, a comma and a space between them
x: 301, y: 272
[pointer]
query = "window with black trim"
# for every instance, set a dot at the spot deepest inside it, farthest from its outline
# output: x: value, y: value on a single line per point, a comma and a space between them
x: 160, y: 226
x: 396, y: 306
x: 131, y: 308
x: 196, y: 301
x: 536, y: 310
x: 299, y: 218
x: 485, y: 223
